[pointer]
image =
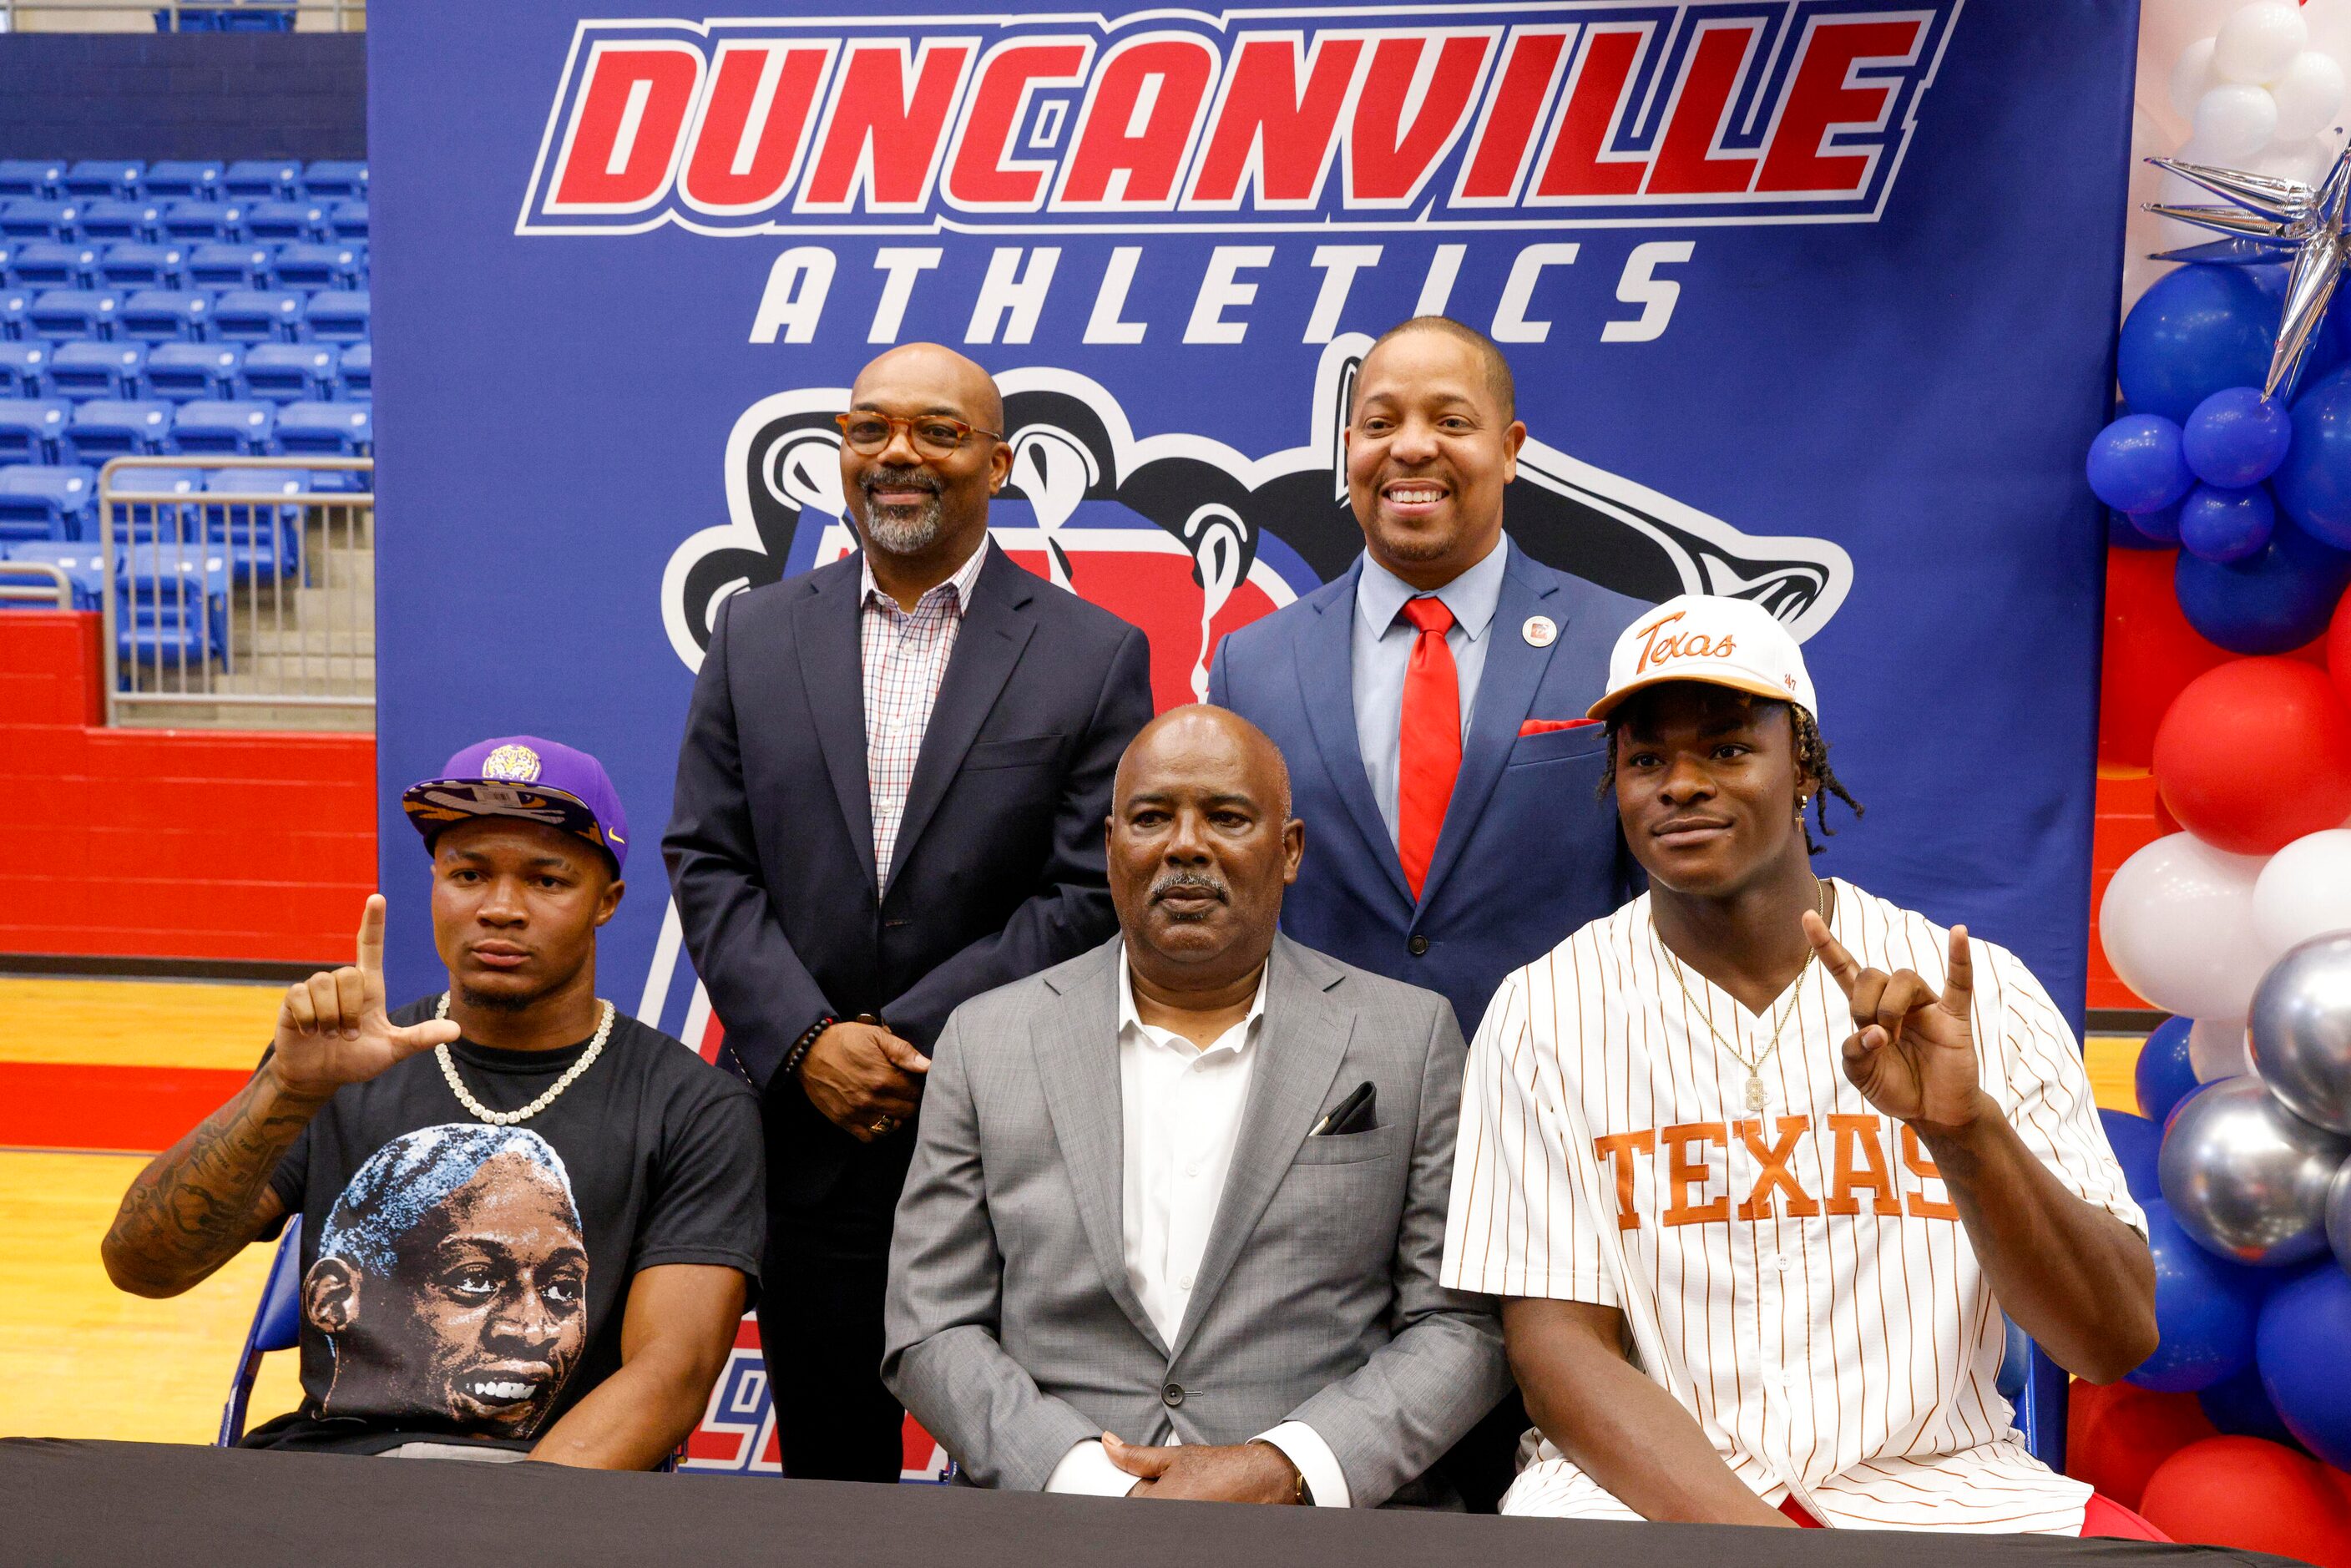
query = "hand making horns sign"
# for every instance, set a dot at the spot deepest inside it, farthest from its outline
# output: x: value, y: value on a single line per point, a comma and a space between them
x: 332, y: 1028
x: 1912, y: 1053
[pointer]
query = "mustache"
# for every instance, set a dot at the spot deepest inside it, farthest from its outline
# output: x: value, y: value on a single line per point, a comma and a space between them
x: 1176, y: 882
x: 899, y: 479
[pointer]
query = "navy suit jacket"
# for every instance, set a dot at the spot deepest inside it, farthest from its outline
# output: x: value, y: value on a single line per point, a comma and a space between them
x: 1526, y: 854
x: 998, y: 870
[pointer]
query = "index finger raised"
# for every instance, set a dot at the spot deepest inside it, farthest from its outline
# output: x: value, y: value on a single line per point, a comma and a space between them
x: 1959, y: 973
x: 1840, y: 964
x: 371, y: 937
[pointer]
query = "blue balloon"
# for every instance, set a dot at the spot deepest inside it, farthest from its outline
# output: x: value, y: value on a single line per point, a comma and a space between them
x: 2135, y: 1140
x: 2273, y: 602
x: 2314, y: 482
x: 2240, y: 1407
x: 2236, y: 437
x: 2134, y: 464
x: 2160, y: 527
x: 2163, y: 1076
x: 2198, y: 330
x: 2123, y: 534
x: 2206, y: 1310
x: 2304, y: 1343
x: 2226, y: 525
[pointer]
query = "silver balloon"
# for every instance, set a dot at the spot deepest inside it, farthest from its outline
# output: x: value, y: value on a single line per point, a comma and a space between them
x: 2302, y: 1030
x: 2247, y: 1177
x: 2339, y: 1217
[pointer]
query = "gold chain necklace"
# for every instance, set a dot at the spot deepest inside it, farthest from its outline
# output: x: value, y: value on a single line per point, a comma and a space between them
x: 1754, y: 1096
x: 512, y: 1118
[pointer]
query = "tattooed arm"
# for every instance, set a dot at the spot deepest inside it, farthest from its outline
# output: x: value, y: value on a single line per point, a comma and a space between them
x: 200, y: 1201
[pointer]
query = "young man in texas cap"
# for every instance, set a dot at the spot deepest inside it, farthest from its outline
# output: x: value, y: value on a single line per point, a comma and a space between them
x: 1757, y: 1161
x: 531, y: 1226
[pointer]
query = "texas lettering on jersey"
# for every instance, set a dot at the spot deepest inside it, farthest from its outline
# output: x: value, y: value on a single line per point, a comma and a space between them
x: 1690, y: 1186
x: 1544, y: 116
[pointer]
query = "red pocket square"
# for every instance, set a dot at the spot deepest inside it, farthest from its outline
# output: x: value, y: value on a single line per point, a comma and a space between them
x: 1545, y: 725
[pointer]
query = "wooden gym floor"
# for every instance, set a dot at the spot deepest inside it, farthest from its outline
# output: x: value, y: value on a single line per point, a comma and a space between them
x: 95, y: 1075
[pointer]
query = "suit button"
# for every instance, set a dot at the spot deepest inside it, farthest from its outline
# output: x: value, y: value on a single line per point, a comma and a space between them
x: 1418, y: 944
x: 1172, y: 1396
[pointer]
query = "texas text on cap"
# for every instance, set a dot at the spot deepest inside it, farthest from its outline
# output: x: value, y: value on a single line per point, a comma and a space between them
x: 1733, y: 642
x: 524, y: 776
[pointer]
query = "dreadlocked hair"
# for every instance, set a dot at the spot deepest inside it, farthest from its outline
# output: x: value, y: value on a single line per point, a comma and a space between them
x: 1812, y: 761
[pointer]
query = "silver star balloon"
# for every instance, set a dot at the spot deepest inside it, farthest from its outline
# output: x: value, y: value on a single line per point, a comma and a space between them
x: 2269, y: 219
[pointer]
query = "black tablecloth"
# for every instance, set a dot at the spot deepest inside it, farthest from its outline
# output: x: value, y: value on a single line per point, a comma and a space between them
x: 122, y: 1504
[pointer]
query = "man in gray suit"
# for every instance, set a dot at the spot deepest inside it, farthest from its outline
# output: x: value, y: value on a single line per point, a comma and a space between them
x: 1259, y: 1140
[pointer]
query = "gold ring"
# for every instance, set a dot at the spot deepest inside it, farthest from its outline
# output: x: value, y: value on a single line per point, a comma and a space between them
x: 881, y: 1126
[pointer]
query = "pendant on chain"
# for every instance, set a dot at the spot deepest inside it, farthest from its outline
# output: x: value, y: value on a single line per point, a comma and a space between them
x: 1754, y: 1090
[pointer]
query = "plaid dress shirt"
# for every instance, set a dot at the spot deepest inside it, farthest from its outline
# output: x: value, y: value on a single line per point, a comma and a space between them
x: 906, y: 656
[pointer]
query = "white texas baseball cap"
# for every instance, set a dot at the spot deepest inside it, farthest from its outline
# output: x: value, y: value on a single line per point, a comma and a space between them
x: 1733, y: 642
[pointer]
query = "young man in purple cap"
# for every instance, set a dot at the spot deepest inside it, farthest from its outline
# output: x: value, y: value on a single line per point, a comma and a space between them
x: 531, y: 1224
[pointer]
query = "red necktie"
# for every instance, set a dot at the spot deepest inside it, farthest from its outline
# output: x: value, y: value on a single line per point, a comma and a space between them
x: 1428, y: 743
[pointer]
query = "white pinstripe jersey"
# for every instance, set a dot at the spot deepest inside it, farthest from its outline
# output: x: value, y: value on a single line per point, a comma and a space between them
x: 1798, y: 1281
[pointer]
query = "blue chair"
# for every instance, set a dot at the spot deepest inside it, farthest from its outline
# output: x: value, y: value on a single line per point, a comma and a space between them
x: 61, y: 313
x: 24, y: 369
x: 95, y: 177
x: 167, y: 316
x: 338, y: 315
x: 117, y: 427
x: 337, y: 264
x: 276, y: 1325
x: 48, y: 502
x: 289, y: 373
x: 335, y: 179
x: 40, y: 217
x: 128, y: 264
x: 83, y: 564
x: 179, y: 179
x: 52, y: 263
x: 263, y: 541
x: 326, y: 430
x: 16, y: 314
x: 179, y: 372
x: 358, y: 373
x: 86, y: 368
x: 229, y: 264
x: 36, y: 177
x: 258, y: 316
x: 173, y: 609
x: 173, y: 517
x: 122, y: 217
x: 224, y: 429
x: 33, y: 429
x: 263, y: 180
x: 348, y: 220
x: 193, y: 219
x: 286, y: 220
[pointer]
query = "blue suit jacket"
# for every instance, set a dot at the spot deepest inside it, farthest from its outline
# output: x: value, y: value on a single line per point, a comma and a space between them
x: 1528, y: 853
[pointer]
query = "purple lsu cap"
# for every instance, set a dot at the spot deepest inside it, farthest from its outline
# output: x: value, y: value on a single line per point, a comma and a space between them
x: 524, y: 776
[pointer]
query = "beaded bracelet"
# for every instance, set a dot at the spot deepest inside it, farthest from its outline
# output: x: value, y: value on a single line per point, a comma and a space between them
x: 800, y: 1047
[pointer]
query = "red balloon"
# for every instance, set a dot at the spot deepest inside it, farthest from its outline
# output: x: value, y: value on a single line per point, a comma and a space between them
x: 2254, y: 754
x: 2151, y: 653
x: 2117, y: 1434
x: 2253, y: 1495
x: 2338, y: 647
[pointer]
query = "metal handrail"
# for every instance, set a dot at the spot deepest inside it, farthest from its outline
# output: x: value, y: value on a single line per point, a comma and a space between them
x: 58, y: 585
x: 343, y: 11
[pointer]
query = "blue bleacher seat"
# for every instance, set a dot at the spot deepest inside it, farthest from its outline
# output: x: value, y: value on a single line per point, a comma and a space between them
x: 32, y: 429
x: 95, y: 177
x: 167, y: 316
x: 39, y: 217
x: 122, y: 218
x: 258, y: 316
x: 221, y: 263
x: 7, y: 256
x: 334, y: 180
x: 193, y: 219
x: 88, y: 369
x: 48, y: 502
x: 83, y: 564
x: 24, y: 369
x: 128, y: 264
x: 208, y: 428
x: 326, y: 430
x: 358, y: 368
x: 52, y: 263
x: 16, y: 314
x: 337, y: 316
x: 286, y: 221
x: 263, y: 541
x: 334, y: 266
x: 347, y: 220
x: 30, y: 176
x: 113, y: 427
x: 289, y: 373
x: 179, y: 371
x: 263, y: 179
x: 174, y: 178
x: 61, y: 313
x: 160, y: 520
x: 173, y: 606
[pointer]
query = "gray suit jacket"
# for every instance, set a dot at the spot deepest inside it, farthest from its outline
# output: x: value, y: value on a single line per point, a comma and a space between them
x: 1012, y: 1331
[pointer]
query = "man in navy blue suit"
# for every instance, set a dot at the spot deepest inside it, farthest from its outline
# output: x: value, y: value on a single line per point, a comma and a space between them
x: 889, y: 799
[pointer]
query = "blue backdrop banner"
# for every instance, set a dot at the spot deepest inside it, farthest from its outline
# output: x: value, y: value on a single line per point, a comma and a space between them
x: 1809, y: 300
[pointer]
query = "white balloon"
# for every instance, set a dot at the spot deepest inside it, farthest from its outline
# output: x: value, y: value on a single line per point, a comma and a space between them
x: 2308, y: 96
x: 2306, y: 161
x: 2193, y: 77
x: 2258, y: 43
x: 2217, y: 1047
x: 2178, y: 926
x: 2329, y: 23
x: 2235, y: 121
x: 2305, y: 891
x: 2167, y: 27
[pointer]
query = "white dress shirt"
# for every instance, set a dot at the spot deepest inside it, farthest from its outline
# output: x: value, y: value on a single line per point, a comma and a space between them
x: 1381, y: 655
x: 904, y: 655
x: 1183, y: 1108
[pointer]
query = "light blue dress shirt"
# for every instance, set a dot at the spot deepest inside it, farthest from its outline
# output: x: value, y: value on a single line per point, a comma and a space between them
x: 1382, y: 654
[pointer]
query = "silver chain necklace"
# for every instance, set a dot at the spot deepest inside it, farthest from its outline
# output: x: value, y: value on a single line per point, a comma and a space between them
x: 508, y: 1118
x: 1755, y: 1095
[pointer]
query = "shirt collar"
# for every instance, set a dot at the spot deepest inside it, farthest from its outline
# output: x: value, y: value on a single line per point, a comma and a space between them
x: 1472, y: 597
x: 1129, y: 1018
x: 958, y: 588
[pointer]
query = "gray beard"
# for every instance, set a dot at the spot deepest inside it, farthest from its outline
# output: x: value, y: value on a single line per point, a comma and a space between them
x: 890, y: 529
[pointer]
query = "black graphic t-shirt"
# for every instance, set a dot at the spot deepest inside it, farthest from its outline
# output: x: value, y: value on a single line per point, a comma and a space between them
x: 465, y: 1282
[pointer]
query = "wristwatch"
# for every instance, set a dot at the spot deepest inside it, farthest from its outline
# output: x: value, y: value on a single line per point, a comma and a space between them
x: 1301, y: 1495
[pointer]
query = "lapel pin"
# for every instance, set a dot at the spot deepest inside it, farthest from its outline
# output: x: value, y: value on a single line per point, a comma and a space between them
x: 1541, y: 630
